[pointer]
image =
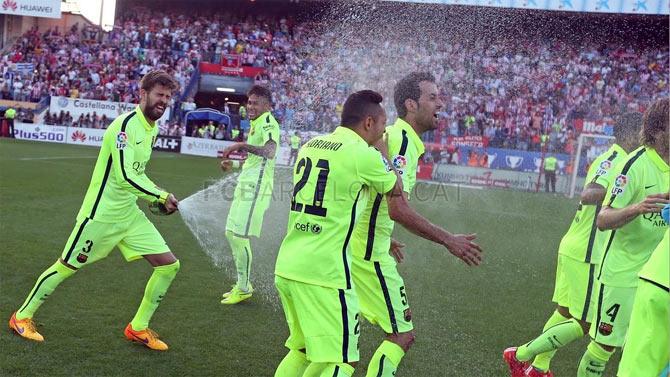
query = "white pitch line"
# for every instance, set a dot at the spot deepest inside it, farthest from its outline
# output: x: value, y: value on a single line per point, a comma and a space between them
x: 54, y: 158
x: 74, y: 158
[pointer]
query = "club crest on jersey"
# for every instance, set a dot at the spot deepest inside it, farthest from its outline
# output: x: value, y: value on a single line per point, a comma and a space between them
x: 121, y: 140
x: 399, y: 162
x: 82, y: 258
x: 619, y: 183
x: 605, y: 328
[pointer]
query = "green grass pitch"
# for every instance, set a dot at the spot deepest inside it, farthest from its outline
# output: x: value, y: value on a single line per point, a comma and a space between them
x: 464, y: 317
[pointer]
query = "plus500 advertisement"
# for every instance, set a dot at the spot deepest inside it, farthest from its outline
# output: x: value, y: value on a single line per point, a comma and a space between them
x: 40, y: 132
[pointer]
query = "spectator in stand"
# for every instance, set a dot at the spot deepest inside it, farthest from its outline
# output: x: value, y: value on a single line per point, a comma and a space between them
x: 511, y: 89
x: 187, y: 106
x: 220, y: 132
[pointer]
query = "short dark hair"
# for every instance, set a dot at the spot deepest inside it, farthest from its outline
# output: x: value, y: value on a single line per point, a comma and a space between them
x: 260, y: 91
x: 360, y: 105
x: 655, y: 119
x: 158, y: 77
x: 627, y: 124
x: 408, y: 88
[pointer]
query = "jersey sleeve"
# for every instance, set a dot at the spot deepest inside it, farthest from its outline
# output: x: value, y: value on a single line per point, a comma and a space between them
x: 270, y: 131
x: 625, y: 187
x: 603, y: 171
x: 400, y: 159
x: 122, y: 146
x: 375, y: 171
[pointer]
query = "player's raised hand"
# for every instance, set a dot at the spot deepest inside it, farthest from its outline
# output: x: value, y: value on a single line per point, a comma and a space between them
x: 461, y: 246
x: 652, y: 204
x: 396, y: 250
x: 382, y: 145
x: 171, y: 204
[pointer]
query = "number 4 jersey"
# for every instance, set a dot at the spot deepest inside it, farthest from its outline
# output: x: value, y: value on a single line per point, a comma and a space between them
x: 331, y: 181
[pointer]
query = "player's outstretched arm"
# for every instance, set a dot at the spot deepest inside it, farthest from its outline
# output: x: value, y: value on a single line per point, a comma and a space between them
x: 614, y: 218
x: 593, y: 194
x: 268, y: 150
x: 460, y: 245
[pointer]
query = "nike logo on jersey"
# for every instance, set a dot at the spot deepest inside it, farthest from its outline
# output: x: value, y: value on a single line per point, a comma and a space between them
x: 648, y: 187
x: 139, y: 142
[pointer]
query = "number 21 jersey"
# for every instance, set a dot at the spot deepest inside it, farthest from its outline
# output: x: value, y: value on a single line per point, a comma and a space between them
x: 331, y: 178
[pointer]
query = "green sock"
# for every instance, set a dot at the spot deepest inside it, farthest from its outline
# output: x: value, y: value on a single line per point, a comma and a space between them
x: 385, y: 360
x: 329, y: 370
x: 44, y: 286
x: 157, y: 287
x: 543, y: 360
x: 594, y: 361
x: 293, y: 365
x: 553, y: 338
x: 242, y: 255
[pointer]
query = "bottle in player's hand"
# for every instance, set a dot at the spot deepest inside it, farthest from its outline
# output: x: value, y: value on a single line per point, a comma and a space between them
x: 158, y: 208
x: 171, y: 205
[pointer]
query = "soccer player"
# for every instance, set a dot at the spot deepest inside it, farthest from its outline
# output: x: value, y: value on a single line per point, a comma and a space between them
x: 332, y: 178
x: 295, y: 145
x: 110, y: 217
x: 578, y: 258
x: 254, y: 188
x: 647, y: 351
x: 380, y: 288
x: 632, y: 211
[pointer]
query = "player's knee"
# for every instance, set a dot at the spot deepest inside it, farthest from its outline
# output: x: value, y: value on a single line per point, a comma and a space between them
x: 565, y: 312
x: 175, y: 266
x: 405, y: 339
x: 67, y: 269
x: 169, y: 269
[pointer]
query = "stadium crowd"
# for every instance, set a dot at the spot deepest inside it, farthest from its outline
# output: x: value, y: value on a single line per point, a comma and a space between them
x: 519, y: 94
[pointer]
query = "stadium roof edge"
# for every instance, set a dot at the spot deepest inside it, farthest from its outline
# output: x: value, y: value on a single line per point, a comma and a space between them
x: 639, y: 7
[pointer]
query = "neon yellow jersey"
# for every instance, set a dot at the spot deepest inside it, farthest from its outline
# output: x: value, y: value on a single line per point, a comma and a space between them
x: 256, y: 168
x: 644, y: 173
x: 657, y: 269
x: 550, y: 163
x: 372, y: 235
x: 583, y: 241
x: 118, y: 177
x: 331, y: 181
x: 295, y: 142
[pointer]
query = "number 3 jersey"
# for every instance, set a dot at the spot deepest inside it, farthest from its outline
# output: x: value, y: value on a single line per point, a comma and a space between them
x: 331, y: 180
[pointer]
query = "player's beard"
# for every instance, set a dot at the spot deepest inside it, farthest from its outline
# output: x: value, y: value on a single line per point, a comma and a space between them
x: 153, y: 112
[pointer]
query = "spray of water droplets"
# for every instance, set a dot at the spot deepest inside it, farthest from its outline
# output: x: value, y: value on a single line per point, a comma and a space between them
x: 205, y: 214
